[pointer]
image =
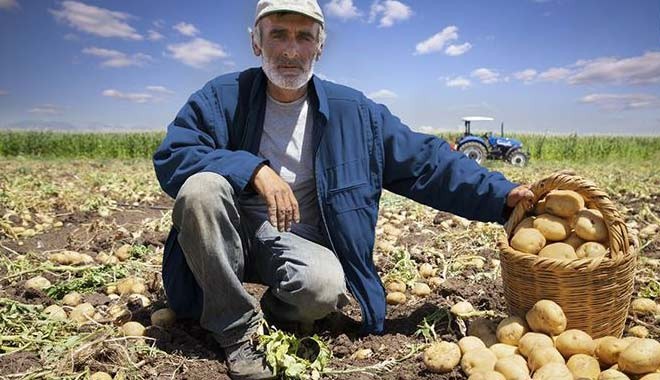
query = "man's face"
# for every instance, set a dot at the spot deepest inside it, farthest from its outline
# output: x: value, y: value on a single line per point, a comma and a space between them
x: 289, y: 48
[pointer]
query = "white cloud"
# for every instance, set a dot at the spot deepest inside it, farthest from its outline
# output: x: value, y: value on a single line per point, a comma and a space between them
x: 197, y: 52
x: 526, y: 75
x: 390, y: 12
x: 343, y: 9
x: 8, y: 4
x: 153, y: 35
x: 436, y: 42
x: 382, y: 94
x: 159, y: 89
x: 4, y: 92
x: 554, y: 74
x: 486, y: 76
x: 459, y: 82
x: 46, y: 109
x: 620, y: 102
x: 94, y: 20
x: 114, y: 58
x: 134, y: 97
x: 641, y: 70
x: 186, y: 29
x: 454, y: 50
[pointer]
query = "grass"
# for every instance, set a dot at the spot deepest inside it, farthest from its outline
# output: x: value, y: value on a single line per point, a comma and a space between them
x: 567, y: 148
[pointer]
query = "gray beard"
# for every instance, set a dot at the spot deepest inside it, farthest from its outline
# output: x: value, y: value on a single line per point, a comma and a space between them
x: 270, y: 68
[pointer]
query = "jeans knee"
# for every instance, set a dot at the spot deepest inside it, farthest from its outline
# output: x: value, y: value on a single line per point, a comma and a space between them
x: 202, y: 192
x: 317, y: 290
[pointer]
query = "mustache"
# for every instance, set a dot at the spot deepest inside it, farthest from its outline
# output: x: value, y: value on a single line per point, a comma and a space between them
x: 289, y: 62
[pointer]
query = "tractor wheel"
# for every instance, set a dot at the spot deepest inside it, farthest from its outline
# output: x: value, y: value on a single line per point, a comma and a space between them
x: 474, y: 151
x: 518, y: 158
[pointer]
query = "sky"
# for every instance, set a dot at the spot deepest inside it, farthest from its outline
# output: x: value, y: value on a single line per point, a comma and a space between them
x: 543, y: 66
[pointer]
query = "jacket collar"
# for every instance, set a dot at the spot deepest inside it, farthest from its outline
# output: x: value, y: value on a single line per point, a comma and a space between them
x: 316, y: 88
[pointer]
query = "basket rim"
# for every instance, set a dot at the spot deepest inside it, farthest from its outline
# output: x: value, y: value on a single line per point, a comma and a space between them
x: 620, y: 244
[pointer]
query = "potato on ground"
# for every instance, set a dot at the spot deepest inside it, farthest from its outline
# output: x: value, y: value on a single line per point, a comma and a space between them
x: 590, y: 225
x: 572, y: 342
x: 612, y: 374
x: 100, y: 376
x: 552, y: 227
x: 72, y: 299
x: 37, y: 283
x: 584, y: 367
x: 502, y: 350
x: 609, y: 348
x: 132, y: 329
x: 591, y: 250
x: 546, y: 317
x: 513, y: 367
x: 462, y: 308
x: 82, y: 313
x: 553, y: 371
x: 574, y: 241
x: 643, y: 306
x: 396, y: 286
x: 542, y: 355
x: 487, y: 375
x: 641, y: 357
x: 558, y: 251
x: 442, y: 357
x: 421, y: 289
x: 55, y: 313
x: 528, y: 240
x: 396, y: 298
x: 481, y: 359
x: 426, y: 270
x: 163, y: 317
x: 469, y: 343
x: 530, y: 340
x: 638, y: 331
x: 563, y: 203
x: 511, y: 329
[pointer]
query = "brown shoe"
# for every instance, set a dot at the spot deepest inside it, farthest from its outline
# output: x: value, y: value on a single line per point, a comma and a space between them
x: 245, y: 362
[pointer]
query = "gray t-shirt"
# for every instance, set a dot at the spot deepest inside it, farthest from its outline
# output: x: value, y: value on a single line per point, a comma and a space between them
x: 287, y: 143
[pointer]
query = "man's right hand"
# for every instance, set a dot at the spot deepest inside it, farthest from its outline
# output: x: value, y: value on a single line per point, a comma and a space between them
x: 282, y: 204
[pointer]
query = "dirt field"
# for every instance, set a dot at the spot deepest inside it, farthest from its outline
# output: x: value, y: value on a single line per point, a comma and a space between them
x: 96, y: 207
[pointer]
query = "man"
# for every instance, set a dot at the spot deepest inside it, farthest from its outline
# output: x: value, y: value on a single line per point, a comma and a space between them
x: 277, y: 177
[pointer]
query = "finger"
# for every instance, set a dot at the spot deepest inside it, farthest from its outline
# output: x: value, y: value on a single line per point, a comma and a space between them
x: 295, y: 208
x: 288, y: 210
x: 272, y: 209
x: 281, y: 213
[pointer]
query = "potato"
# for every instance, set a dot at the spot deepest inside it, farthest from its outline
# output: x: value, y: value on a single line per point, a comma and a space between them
x: 163, y: 317
x: 139, y: 300
x: 481, y: 359
x: 583, y: 367
x: 421, y: 290
x: 442, y: 357
x: 563, y: 203
x: 362, y: 354
x: 546, y: 317
x: 512, y: 367
x: 539, y: 208
x: 609, y: 348
x: 531, y: 340
x: 72, y: 299
x: 462, y: 308
x: 528, y: 222
x: 641, y: 357
x: 542, y: 355
x: 643, y: 306
x: 553, y: 371
x: 100, y: 376
x: 612, y: 374
x: 558, y: 251
x: 123, y: 253
x: 37, y: 283
x: 638, y: 331
x: 132, y: 329
x: 552, y: 227
x: 59, y: 258
x: 426, y: 270
x: 572, y: 342
x: 528, y: 240
x: 396, y: 298
x: 130, y: 285
x: 651, y: 376
x: 511, y: 329
x: 105, y: 259
x: 82, y: 313
x: 434, y: 282
x: 574, y: 241
x: 591, y: 250
x: 396, y: 286
x: 55, y: 313
x: 502, y: 350
x: 487, y: 375
x: 469, y: 343
x: 119, y: 313
x: 484, y: 329
x: 590, y: 226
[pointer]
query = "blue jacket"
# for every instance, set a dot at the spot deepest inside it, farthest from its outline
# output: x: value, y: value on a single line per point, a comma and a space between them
x: 361, y: 150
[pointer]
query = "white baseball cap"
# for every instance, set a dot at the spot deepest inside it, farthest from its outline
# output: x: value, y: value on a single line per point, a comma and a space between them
x: 309, y: 8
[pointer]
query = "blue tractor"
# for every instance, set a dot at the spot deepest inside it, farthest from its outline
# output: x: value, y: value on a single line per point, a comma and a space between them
x: 480, y: 148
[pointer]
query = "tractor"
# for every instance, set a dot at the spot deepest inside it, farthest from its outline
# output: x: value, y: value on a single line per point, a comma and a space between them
x: 480, y: 148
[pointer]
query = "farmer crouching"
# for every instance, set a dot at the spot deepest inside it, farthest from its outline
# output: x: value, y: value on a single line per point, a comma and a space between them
x: 277, y: 176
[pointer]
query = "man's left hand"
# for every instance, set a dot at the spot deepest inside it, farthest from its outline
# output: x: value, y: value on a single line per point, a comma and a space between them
x: 519, y: 194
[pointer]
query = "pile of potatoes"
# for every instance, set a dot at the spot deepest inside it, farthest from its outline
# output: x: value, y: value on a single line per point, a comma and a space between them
x: 539, y: 347
x: 562, y: 228
x: 428, y: 280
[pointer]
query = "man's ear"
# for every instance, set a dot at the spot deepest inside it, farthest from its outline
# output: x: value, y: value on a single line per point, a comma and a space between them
x: 319, y: 52
x: 255, y: 48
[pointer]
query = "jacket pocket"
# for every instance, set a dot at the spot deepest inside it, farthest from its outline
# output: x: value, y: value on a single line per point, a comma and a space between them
x: 347, y: 175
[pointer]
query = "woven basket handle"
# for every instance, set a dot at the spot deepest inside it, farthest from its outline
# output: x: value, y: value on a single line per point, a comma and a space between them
x: 618, y: 232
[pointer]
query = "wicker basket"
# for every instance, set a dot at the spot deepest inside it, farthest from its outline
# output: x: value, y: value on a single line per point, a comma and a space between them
x: 594, y: 293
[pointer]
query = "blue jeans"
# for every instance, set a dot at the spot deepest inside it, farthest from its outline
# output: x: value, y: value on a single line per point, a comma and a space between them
x: 223, y: 249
